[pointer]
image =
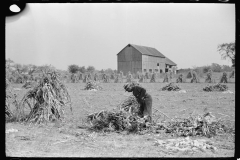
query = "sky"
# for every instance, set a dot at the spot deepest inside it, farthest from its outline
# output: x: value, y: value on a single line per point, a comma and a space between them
x: 91, y: 34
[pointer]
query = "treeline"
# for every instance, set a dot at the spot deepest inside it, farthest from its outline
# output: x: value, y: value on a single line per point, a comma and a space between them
x: 17, y: 73
x: 204, y: 69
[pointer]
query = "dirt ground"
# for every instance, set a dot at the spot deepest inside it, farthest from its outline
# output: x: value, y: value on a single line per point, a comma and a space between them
x: 70, y: 139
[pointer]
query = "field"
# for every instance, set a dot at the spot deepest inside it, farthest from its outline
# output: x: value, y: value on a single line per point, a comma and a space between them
x: 69, y: 139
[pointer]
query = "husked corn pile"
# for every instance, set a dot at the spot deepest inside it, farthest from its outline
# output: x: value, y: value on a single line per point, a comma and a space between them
x: 171, y: 87
x: 92, y: 85
x: 201, y: 125
x: 216, y: 87
x: 186, y: 144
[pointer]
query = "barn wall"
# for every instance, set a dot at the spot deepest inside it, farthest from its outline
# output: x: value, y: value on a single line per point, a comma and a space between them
x: 150, y: 62
x: 129, y: 59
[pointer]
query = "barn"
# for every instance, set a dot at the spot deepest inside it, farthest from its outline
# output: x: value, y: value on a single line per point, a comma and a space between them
x: 136, y: 58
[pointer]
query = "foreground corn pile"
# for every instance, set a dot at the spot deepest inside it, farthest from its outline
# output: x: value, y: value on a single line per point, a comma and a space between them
x: 125, y: 117
x: 91, y: 85
x: 216, y: 87
x: 171, y: 87
x: 201, y: 125
x: 186, y: 144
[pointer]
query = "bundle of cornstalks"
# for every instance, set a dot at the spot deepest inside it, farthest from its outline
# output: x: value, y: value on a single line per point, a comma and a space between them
x: 92, y: 85
x: 171, y: 87
x: 95, y: 78
x: 142, y: 78
x: 47, y: 100
x: 117, y: 79
x: 153, y: 78
x: 8, y: 97
x: 224, y: 78
x: 166, y: 78
x: 202, y: 125
x: 180, y: 78
x: 106, y: 78
x: 85, y: 79
x: 194, y: 77
x: 129, y: 78
x: 209, y: 78
x: 232, y: 74
x: 216, y: 87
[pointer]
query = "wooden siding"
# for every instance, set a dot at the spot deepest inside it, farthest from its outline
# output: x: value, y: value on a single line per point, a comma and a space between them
x: 150, y: 62
x: 129, y: 59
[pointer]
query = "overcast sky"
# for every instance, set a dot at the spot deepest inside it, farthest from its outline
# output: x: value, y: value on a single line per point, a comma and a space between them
x: 93, y: 34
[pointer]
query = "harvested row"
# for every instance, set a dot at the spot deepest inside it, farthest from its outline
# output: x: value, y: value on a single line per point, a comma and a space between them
x: 216, y: 87
x: 171, y: 87
x: 92, y: 85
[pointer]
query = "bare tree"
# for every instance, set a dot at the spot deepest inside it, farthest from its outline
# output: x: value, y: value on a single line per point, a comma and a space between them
x: 227, y: 50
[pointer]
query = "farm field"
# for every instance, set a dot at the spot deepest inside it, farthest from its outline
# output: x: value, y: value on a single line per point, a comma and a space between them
x: 69, y: 139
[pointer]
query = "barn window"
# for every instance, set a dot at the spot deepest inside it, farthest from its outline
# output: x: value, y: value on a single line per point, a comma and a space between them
x: 157, y: 64
x: 156, y: 70
x: 150, y: 70
x: 160, y: 71
x: 145, y: 70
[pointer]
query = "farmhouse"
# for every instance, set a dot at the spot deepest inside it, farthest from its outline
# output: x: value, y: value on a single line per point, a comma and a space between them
x: 135, y: 58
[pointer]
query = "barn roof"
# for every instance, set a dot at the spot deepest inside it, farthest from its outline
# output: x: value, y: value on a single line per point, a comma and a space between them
x: 148, y: 51
x: 151, y: 52
x: 169, y: 62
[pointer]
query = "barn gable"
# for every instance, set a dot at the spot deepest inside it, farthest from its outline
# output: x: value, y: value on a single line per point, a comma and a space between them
x: 135, y: 58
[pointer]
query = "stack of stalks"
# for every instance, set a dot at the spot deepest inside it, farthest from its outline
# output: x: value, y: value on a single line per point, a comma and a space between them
x: 216, y: 87
x: 166, y: 78
x: 47, y: 100
x: 194, y: 77
x: 171, y: 87
x: 153, y: 78
x: 232, y: 74
x: 224, y: 78
x: 141, y: 79
x: 117, y: 79
x: 180, y: 78
x: 9, y: 96
x: 92, y: 85
x: 209, y: 78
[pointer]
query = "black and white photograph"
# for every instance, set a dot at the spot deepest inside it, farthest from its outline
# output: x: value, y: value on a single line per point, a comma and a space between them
x: 120, y: 80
